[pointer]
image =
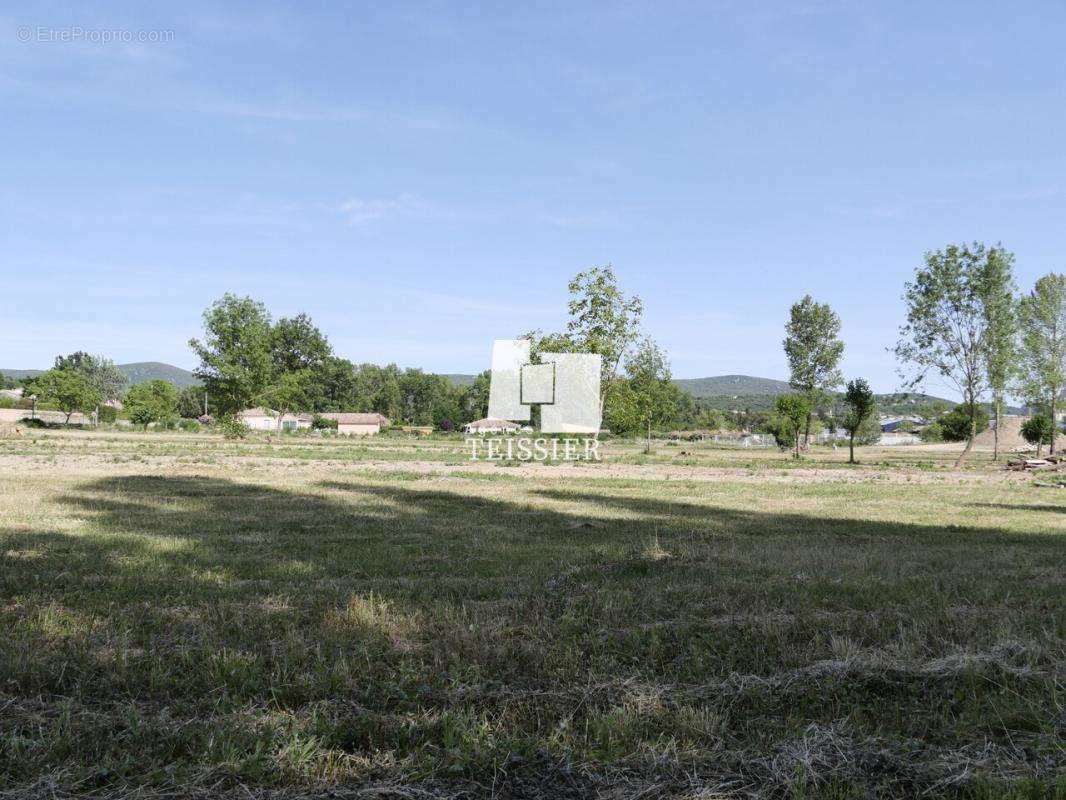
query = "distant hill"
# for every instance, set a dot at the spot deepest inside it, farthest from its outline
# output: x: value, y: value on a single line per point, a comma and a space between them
x: 142, y: 371
x: 732, y: 385
x: 137, y: 372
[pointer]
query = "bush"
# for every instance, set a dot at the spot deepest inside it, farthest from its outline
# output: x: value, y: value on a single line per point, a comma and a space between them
x: 319, y: 423
x: 956, y: 423
x: 1037, y: 430
x: 232, y: 428
x: 108, y: 414
x: 934, y: 432
x: 189, y: 425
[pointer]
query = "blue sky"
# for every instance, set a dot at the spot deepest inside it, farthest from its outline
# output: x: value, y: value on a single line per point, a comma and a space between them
x: 422, y: 178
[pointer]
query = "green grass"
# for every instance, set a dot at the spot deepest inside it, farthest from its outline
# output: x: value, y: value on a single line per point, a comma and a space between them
x: 183, y: 615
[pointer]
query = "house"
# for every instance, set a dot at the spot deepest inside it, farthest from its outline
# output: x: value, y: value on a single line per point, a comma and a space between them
x: 357, y: 424
x: 490, y: 425
x: 11, y: 394
x: 265, y: 419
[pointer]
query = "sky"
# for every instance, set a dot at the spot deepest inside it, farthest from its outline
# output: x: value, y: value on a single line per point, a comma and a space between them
x: 423, y: 178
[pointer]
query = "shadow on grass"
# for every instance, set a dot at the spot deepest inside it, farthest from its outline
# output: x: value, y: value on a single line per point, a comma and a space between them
x: 455, y: 630
x: 1050, y: 509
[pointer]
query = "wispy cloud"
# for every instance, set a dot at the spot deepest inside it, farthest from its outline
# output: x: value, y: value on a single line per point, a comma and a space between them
x: 360, y: 211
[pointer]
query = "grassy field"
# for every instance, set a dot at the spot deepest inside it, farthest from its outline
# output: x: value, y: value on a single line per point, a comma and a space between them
x: 184, y: 616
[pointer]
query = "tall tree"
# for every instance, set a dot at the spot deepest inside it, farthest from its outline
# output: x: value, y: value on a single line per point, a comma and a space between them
x: 236, y: 357
x: 997, y: 288
x: 603, y: 320
x: 1043, y: 325
x: 68, y: 388
x: 860, y: 402
x: 295, y: 344
x: 812, y: 344
x: 947, y: 329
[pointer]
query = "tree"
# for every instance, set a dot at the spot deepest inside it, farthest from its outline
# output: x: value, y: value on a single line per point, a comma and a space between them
x: 1038, y: 430
x: 997, y: 289
x: 151, y: 401
x: 296, y: 344
x: 947, y: 330
x: 191, y: 402
x: 236, y: 358
x: 1043, y: 323
x: 813, y: 347
x: 956, y: 425
x: 712, y: 419
x: 860, y: 401
x: 650, y: 396
x: 68, y: 388
x: 101, y: 372
x: 795, y: 413
x: 603, y: 320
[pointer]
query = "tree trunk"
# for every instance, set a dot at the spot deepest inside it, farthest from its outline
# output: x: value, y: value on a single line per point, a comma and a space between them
x: 851, y: 448
x: 648, y: 448
x: 995, y: 433
x: 807, y: 431
x: 67, y: 423
x: 973, y: 435
x: 1054, y: 422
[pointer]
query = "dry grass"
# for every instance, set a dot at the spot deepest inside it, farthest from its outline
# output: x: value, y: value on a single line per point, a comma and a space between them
x: 188, y: 617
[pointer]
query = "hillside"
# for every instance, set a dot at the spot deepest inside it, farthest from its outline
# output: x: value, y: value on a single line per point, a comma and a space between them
x: 136, y: 372
x: 732, y: 385
x: 142, y: 371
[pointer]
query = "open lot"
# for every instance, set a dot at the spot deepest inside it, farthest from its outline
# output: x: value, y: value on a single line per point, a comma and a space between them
x: 183, y: 615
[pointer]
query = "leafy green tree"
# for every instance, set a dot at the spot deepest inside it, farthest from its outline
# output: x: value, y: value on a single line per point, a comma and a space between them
x: 859, y: 399
x: 947, y: 329
x: 236, y: 357
x: 650, y: 397
x: 101, y: 372
x: 68, y: 388
x: 1043, y: 325
x: 296, y: 344
x: 1038, y: 430
x: 812, y: 344
x: 191, y: 402
x: 957, y: 424
x: 151, y: 401
x: 997, y: 289
x: 603, y: 320
x: 476, y: 398
x: 712, y: 419
x: 794, y: 411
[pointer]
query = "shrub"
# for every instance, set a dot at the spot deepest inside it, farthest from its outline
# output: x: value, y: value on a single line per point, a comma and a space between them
x: 1037, y: 430
x: 956, y: 423
x: 319, y: 423
x: 232, y: 428
x: 108, y: 414
x: 934, y: 432
x: 189, y: 425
